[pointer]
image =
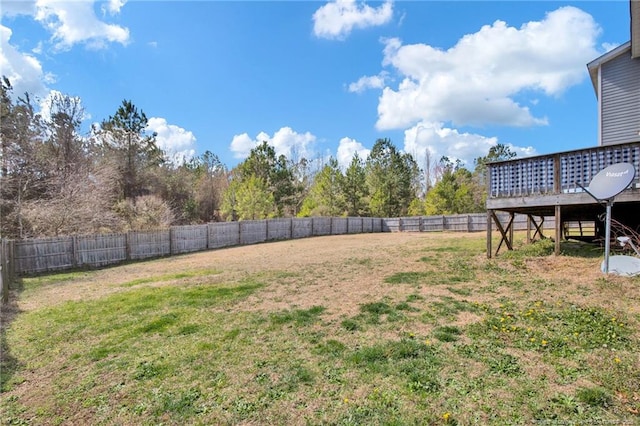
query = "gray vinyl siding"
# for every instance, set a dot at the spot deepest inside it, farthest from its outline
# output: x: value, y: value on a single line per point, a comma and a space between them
x: 620, y: 100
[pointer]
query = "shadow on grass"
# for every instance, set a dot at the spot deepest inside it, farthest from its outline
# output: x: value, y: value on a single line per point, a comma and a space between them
x: 581, y: 249
x: 546, y: 247
x: 8, y: 313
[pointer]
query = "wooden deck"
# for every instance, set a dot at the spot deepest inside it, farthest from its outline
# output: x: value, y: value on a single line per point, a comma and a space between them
x: 551, y: 185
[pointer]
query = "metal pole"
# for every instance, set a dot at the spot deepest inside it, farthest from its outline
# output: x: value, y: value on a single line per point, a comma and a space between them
x: 607, y: 238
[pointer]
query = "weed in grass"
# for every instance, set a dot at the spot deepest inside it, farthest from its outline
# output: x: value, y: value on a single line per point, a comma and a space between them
x: 176, y: 403
x: 567, y: 374
x: 374, y: 313
x: 414, y: 298
x: 491, y: 266
x: 146, y: 370
x: 539, y: 248
x: 299, y: 317
x: 595, y: 396
x: 377, y: 308
x: 563, y: 331
x: 407, y: 278
x: 449, y: 307
x: 379, y: 408
x: 331, y: 347
x: 365, y: 261
x: 447, y: 333
x: 460, y: 269
x: 503, y: 363
x: 460, y: 291
x: 447, y: 249
x: 562, y: 405
x: 422, y: 375
x: 350, y: 324
x: 404, y: 306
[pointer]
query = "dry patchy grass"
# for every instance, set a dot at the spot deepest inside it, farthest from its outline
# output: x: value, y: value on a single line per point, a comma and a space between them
x: 400, y: 328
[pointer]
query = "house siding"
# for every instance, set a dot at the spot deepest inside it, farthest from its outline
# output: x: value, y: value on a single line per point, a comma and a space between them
x: 620, y: 100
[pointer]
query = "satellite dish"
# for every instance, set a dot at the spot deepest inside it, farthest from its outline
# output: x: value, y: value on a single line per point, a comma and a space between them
x: 626, y: 266
x: 611, y: 181
x: 608, y: 183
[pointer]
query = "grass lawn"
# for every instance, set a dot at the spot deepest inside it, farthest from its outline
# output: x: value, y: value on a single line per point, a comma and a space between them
x: 372, y: 329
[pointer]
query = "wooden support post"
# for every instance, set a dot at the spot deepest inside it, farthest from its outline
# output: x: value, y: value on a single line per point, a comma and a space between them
x: 506, y: 233
x: 529, y: 220
x: 558, y: 229
x: 510, y: 227
x: 489, y: 229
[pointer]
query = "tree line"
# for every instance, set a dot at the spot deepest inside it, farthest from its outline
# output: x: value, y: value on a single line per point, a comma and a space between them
x: 56, y: 181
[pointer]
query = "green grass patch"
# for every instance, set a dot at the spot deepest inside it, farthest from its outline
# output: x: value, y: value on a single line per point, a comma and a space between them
x: 171, y: 277
x: 467, y: 341
x: 299, y: 317
x: 407, y: 278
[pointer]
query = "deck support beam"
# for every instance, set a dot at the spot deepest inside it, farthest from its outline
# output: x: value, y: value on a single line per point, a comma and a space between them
x: 506, y: 233
x: 489, y: 229
x: 537, y: 226
x: 558, y: 219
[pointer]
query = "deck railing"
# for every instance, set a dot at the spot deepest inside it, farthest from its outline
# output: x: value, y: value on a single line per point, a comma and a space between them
x: 558, y: 173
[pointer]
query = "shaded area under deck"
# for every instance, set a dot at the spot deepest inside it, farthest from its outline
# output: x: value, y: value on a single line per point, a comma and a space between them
x: 550, y: 186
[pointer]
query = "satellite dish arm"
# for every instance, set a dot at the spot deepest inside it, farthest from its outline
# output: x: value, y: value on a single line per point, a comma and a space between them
x: 599, y: 201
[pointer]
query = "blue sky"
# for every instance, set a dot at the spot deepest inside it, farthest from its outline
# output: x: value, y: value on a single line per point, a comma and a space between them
x: 324, y: 78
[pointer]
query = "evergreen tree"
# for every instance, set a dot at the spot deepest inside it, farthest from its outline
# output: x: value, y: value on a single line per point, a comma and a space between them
x: 127, y: 145
x: 325, y: 196
x: 354, y: 188
x: 391, y: 177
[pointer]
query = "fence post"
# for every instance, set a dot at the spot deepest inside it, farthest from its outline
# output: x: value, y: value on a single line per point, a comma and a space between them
x: 127, y: 245
x: 4, y: 271
x: 443, y: 223
x: 171, y: 244
x: 74, y: 250
x: 468, y: 223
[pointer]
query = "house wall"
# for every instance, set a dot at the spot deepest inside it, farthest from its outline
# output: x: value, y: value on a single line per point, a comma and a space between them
x: 620, y: 100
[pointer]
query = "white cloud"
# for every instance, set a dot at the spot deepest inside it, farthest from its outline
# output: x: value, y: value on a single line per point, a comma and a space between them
x: 285, y: 141
x: 69, y: 22
x: 24, y: 71
x: 336, y: 19
x: 75, y: 22
x: 178, y: 143
x: 14, y: 8
x: 369, y: 82
x: 72, y: 22
x: 440, y: 141
x: 113, y: 6
x: 347, y: 148
x: 476, y: 81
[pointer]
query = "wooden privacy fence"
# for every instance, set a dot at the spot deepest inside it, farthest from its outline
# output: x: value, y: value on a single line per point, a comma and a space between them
x: 42, y: 255
x: 475, y: 222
